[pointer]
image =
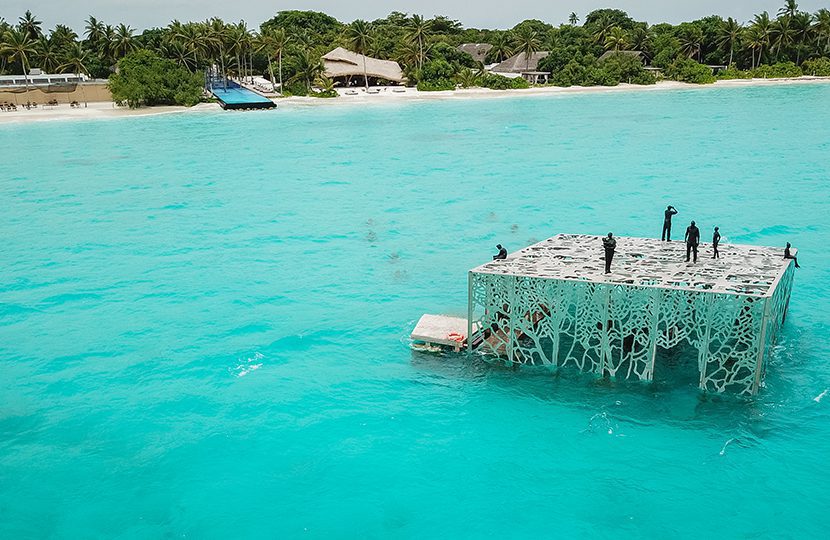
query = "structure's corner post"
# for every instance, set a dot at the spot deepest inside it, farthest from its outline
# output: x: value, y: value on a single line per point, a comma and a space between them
x: 605, y: 348
x: 511, y: 307
x: 762, y: 347
x: 703, y: 349
x: 656, y: 301
x: 470, y: 307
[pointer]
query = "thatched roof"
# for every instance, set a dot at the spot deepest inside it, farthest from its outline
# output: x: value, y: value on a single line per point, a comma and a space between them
x: 518, y: 63
x: 638, y: 54
x: 344, y: 63
x: 477, y: 50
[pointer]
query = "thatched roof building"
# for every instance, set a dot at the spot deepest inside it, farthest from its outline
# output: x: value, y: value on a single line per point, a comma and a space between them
x: 344, y: 63
x: 477, y: 50
x: 519, y: 63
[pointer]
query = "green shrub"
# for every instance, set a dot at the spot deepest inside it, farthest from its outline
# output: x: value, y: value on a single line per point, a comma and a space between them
x: 625, y: 68
x: 819, y: 67
x: 497, y: 82
x: 296, y: 88
x: 733, y: 73
x: 689, y: 71
x: 324, y: 94
x: 779, y: 70
x: 144, y: 78
x: 436, y: 85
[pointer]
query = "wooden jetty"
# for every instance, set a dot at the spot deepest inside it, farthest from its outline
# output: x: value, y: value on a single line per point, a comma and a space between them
x: 552, y: 304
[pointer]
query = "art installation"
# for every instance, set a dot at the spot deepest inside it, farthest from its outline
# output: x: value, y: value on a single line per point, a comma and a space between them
x: 552, y: 304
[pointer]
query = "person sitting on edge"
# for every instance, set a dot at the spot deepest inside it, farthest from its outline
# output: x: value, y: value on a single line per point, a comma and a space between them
x: 670, y: 211
x: 502, y: 253
x: 692, y: 240
x: 610, y: 245
x: 788, y: 255
x: 715, y: 242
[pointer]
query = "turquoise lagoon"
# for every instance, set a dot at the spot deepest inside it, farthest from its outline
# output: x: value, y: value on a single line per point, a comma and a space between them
x: 204, y: 321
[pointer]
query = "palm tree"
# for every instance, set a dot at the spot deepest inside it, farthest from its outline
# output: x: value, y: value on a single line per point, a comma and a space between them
x: 763, y: 25
x: 782, y: 35
x: 690, y: 41
x: 75, y: 59
x: 418, y: 33
x: 274, y: 41
x: 603, y: 27
x: 94, y: 31
x: 729, y: 36
x: 62, y: 35
x: 501, y: 46
x: 47, y: 54
x: 307, y: 67
x: 526, y: 41
x: 802, y: 24
x: 30, y: 25
x: 822, y: 30
x: 123, y: 42
x: 640, y: 39
x: 359, y: 36
x: 573, y: 19
x: 789, y: 9
x: 616, y: 40
x: 755, y: 40
x: 18, y: 45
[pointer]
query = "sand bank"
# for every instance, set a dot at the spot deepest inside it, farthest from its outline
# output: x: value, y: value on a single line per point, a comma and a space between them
x: 384, y: 95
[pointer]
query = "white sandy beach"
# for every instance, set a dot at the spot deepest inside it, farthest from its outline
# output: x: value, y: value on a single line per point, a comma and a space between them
x: 384, y: 95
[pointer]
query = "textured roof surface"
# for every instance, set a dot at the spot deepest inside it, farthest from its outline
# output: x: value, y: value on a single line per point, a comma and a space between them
x: 344, y: 63
x: 477, y: 50
x: 742, y: 269
x: 518, y: 63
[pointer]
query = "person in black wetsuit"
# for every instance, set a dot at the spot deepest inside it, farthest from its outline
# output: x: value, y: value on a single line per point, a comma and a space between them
x: 788, y: 255
x: 670, y: 211
x: 715, y: 242
x: 502, y: 254
x: 610, y: 245
x: 692, y: 240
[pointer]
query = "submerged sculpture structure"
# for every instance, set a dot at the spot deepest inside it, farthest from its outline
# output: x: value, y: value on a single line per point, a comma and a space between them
x: 552, y: 304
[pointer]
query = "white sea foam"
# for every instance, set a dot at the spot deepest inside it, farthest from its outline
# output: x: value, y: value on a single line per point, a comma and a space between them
x: 819, y: 397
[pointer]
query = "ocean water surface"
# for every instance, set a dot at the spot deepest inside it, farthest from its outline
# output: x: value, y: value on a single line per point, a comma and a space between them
x: 204, y: 322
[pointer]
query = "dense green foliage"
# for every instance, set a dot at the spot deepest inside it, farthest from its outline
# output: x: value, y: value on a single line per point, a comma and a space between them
x: 144, y: 78
x: 687, y: 70
x: 819, y: 67
x: 287, y: 48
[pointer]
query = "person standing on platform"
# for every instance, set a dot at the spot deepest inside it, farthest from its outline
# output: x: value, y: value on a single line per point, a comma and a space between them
x: 692, y: 240
x: 502, y: 254
x: 715, y: 242
x: 670, y: 211
x: 610, y: 245
x: 788, y: 255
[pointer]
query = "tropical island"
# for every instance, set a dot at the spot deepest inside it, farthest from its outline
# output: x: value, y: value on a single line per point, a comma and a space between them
x: 303, y: 53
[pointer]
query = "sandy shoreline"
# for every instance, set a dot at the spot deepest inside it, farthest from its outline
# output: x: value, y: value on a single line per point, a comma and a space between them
x: 109, y: 110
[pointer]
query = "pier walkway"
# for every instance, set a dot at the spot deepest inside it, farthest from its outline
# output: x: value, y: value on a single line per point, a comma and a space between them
x: 552, y: 304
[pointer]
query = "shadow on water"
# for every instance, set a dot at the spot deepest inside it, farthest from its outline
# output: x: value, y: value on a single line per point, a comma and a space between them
x: 672, y: 398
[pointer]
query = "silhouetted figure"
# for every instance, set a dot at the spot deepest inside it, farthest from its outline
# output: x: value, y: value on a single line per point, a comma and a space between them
x: 715, y: 242
x: 692, y: 240
x: 670, y: 211
x: 788, y: 255
x: 610, y: 245
x: 502, y: 253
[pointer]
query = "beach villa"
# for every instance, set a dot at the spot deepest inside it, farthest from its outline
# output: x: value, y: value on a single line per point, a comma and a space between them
x: 343, y: 65
x: 522, y: 65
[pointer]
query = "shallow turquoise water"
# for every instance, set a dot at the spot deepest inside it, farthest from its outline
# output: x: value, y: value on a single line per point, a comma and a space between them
x: 203, y: 322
